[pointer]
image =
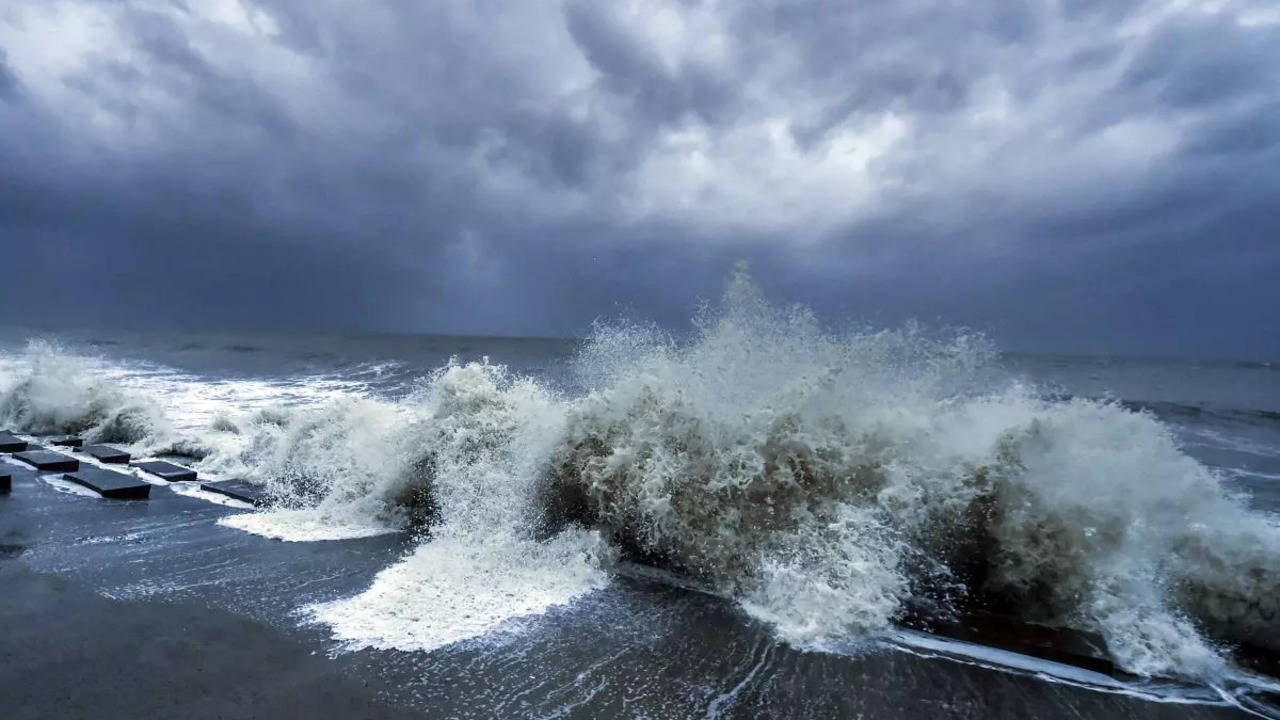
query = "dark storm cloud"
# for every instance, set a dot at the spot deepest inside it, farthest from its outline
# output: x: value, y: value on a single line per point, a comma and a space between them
x: 8, y: 81
x: 1073, y: 174
x: 181, y: 69
x: 1183, y: 68
x: 634, y: 71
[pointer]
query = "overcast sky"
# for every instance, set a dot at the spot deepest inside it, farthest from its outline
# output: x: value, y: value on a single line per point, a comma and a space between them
x: 1065, y: 175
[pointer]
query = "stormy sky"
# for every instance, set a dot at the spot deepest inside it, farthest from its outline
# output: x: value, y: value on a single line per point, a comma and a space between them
x: 1087, y: 175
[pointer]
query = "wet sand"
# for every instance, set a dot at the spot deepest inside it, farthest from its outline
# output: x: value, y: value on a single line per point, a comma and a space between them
x: 68, y: 652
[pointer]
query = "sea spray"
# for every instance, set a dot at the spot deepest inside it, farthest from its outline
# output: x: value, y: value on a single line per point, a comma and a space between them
x: 325, y: 468
x: 48, y: 391
x: 453, y: 463
x: 834, y: 482
x: 452, y: 442
x: 481, y: 437
x: 762, y: 458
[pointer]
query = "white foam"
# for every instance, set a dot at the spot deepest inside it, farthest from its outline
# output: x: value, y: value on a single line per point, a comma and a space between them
x: 1246, y: 473
x: 66, y: 486
x: 455, y: 589
x: 150, y: 408
x: 47, y: 391
x: 305, y: 525
x: 927, y: 645
x: 823, y: 477
x: 107, y: 539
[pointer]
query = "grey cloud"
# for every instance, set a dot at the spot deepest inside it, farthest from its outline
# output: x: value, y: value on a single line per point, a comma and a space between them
x: 8, y: 80
x: 448, y: 167
x: 1110, y: 10
x: 1208, y: 61
x: 635, y: 72
x: 872, y: 52
x: 1015, y: 22
x: 185, y: 70
x: 1247, y: 132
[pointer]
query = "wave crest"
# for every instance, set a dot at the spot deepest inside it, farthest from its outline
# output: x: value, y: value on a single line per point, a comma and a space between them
x: 47, y: 391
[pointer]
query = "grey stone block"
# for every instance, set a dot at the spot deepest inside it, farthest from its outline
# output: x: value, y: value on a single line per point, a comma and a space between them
x: 11, y: 444
x: 106, y: 454
x: 110, y: 484
x: 167, y: 470
x: 242, y: 490
x: 47, y: 460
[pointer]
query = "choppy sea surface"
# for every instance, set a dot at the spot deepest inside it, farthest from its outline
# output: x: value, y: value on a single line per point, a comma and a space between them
x: 816, y: 486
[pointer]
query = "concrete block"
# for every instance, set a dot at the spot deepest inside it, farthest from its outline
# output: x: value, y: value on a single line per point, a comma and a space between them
x: 106, y: 454
x: 70, y: 441
x: 110, y: 484
x: 47, y: 460
x: 167, y: 470
x: 11, y: 444
x: 242, y: 490
x: 6, y: 483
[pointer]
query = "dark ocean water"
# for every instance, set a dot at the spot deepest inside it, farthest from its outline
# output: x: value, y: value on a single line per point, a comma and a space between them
x: 587, y: 643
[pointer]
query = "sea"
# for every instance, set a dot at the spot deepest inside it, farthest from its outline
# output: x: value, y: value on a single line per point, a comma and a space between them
x: 762, y: 516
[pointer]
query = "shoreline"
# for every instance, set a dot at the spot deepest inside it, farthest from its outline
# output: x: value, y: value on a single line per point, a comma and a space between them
x: 124, y: 608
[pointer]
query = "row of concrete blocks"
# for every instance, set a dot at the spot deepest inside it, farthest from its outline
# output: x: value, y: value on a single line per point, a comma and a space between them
x: 107, y: 483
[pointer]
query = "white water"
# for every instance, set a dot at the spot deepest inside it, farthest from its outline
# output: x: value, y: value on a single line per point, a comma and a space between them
x: 471, y: 438
x: 66, y: 486
x: 822, y: 479
x: 150, y: 409
x: 453, y: 589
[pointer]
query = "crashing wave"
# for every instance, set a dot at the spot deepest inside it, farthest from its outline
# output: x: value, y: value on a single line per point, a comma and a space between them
x: 454, y: 463
x: 47, y: 391
x: 833, y: 483
x: 836, y: 483
x: 456, y: 441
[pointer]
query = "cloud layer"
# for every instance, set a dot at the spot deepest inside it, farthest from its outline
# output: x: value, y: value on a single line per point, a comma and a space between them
x: 1072, y: 174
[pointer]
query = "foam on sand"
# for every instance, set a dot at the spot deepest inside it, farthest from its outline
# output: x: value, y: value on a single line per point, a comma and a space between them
x: 301, y: 525
x: 455, y: 589
x: 66, y: 486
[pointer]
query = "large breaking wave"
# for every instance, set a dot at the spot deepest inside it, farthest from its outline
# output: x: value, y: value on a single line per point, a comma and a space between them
x: 833, y: 483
